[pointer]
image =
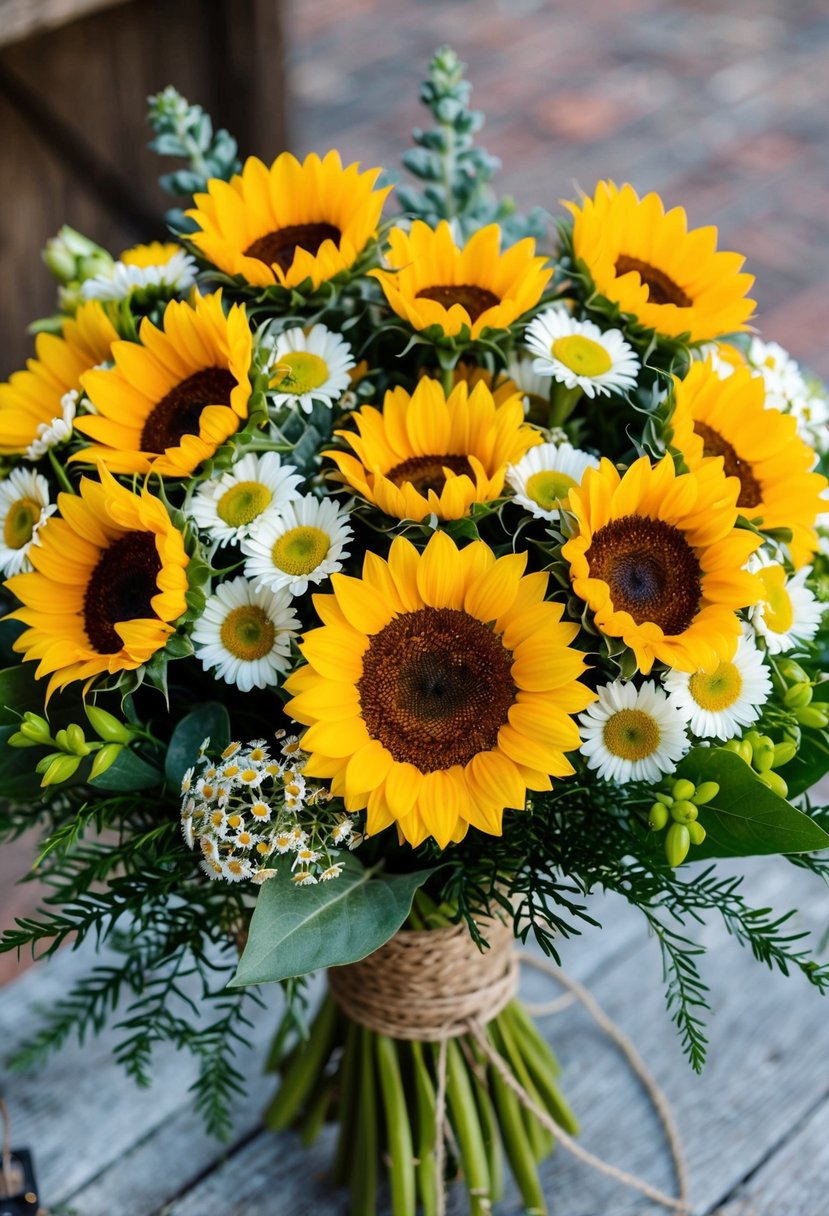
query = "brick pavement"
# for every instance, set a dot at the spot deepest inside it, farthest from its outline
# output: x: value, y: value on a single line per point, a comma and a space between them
x: 718, y: 104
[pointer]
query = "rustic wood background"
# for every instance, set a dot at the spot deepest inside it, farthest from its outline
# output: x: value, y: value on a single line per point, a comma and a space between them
x: 73, y: 78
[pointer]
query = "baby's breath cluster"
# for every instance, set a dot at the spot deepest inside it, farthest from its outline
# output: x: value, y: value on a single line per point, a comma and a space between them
x: 252, y: 804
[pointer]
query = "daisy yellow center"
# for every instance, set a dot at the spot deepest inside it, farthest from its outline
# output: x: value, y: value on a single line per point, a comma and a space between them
x: 279, y: 247
x: 650, y: 569
x: 243, y: 503
x: 778, y: 612
x: 474, y: 299
x: 436, y: 688
x: 178, y: 413
x: 20, y: 522
x: 716, y: 690
x: 661, y: 287
x: 121, y: 588
x: 427, y: 473
x: 582, y: 355
x: 549, y: 488
x: 713, y: 444
x: 299, y: 371
x: 631, y: 734
x: 300, y: 550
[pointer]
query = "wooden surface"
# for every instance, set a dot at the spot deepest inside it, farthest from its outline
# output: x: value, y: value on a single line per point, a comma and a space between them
x: 755, y: 1125
x: 22, y: 18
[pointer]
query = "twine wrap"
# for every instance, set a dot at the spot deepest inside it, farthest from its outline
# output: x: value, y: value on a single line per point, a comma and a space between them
x: 437, y: 985
x: 429, y: 985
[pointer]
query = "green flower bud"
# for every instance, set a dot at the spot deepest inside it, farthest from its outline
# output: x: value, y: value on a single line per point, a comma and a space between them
x: 61, y: 769
x: 665, y: 799
x: 697, y: 833
x: 75, y: 739
x: 35, y: 728
x: 775, y: 783
x: 792, y: 672
x: 813, y: 716
x: 45, y: 761
x: 18, y: 739
x: 106, y: 757
x: 683, y: 789
x: 783, y: 753
x: 684, y: 812
x: 657, y: 817
x: 107, y: 726
x: 62, y: 740
x: 763, y: 754
x: 70, y: 253
x: 705, y: 791
x: 677, y: 844
x: 798, y: 695
x: 753, y: 737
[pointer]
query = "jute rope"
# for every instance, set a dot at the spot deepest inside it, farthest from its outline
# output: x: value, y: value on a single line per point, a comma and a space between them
x: 9, y: 1177
x: 437, y: 985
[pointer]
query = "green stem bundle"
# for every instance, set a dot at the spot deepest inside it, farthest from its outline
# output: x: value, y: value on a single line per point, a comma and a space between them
x: 382, y: 1092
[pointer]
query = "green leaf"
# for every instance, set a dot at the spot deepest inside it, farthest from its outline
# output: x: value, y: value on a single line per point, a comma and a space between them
x: 128, y: 772
x: 209, y: 719
x: 18, y: 780
x: 19, y: 691
x: 296, y: 930
x: 746, y: 819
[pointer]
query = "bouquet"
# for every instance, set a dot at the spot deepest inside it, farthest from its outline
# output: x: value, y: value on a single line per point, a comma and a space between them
x: 379, y: 583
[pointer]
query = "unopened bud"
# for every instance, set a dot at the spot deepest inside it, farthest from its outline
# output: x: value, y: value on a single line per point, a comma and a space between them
x: 657, y: 817
x: 677, y: 844
x: 705, y: 791
x: 683, y: 789
x: 815, y: 717
x: 798, y: 696
x: 697, y: 833
x: 774, y: 782
x: 107, y: 726
x: 763, y: 754
x: 104, y: 759
x: 783, y: 753
x: 684, y: 812
x: 75, y: 739
x: 61, y: 769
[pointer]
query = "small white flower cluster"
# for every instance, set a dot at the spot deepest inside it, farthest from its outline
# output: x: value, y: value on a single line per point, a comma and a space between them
x: 248, y: 807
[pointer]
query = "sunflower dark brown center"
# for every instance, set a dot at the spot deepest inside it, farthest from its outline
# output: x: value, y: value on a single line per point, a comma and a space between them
x: 713, y: 444
x: 179, y: 412
x: 278, y: 247
x: 120, y: 589
x: 661, y: 288
x: 651, y: 570
x: 426, y: 472
x: 436, y: 688
x: 474, y: 299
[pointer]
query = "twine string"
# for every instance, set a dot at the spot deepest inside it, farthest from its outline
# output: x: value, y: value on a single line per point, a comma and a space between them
x: 9, y: 1179
x: 436, y: 985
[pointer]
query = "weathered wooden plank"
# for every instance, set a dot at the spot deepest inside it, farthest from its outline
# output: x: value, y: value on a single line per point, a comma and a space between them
x: 795, y: 1180
x: 20, y: 19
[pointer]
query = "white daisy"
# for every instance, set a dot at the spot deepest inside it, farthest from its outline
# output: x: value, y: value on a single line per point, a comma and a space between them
x: 164, y: 269
x: 580, y: 355
x: 236, y: 869
x: 304, y: 544
x: 228, y: 506
x: 788, y: 614
x: 543, y: 479
x: 718, y: 704
x: 309, y: 367
x: 780, y: 373
x: 521, y: 370
x: 24, y: 508
x: 50, y: 435
x: 633, y: 734
x: 245, y: 634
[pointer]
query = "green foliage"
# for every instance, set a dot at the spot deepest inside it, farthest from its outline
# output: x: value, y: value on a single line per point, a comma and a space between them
x: 456, y: 173
x: 296, y: 930
x: 745, y: 818
x: 186, y: 131
x: 208, y: 721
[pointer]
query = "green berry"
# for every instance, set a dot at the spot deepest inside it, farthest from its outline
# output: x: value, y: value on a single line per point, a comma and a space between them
x: 775, y: 783
x: 677, y: 844
x: 763, y: 754
x: 798, y: 696
x: 705, y: 791
x: 792, y: 672
x: 683, y: 790
x: 665, y: 799
x: 783, y: 753
x: 658, y: 817
x: 684, y: 812
x: 814, y: 717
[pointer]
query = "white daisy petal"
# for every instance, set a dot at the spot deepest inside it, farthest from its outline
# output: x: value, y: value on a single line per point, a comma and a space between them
x: 542, y: 480
x: 175, y: 276
x: 245, y: 633
x: 309, y: 367
x: 721, y: 703
x: 633, y: 734
x: 304, y: 544
x: 580, y: 355
x: 24, y: 508
x: 227, y: 507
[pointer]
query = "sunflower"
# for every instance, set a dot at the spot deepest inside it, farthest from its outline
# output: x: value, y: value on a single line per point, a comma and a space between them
x: 110, y: 576
x: 439, y: 689
x: 431, y: 453
x: 37, y: 406
x: 430, y: 281
x: 727, y: 422
x: 658, y: 559
x: 170, y: 402
x: 290, y: 222
x: 666, y: 278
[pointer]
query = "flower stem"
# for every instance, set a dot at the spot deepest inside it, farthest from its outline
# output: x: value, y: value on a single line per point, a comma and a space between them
x: 60, y: 473
x: 398, y: 1128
